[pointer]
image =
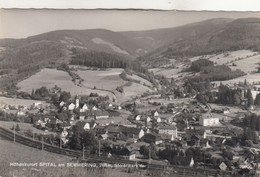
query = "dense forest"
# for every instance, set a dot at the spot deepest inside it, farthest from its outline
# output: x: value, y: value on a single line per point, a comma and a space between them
x: 21, y: 62
x: 209, y: 71
x: 111, y: 60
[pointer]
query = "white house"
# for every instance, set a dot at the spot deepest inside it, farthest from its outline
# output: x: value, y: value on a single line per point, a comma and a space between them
x: 89, y: 125
x: 94, y: 108
x: 159, y: 120
x: 156, y: 114
x: 84, y: 108
x: 138, y: 117
x: 62, y: 103
x: 148, y: 119
x: 209, y: 121
x: 71, y: 106
x: 20, y: 113
x: 37, y: 104
x: 119, y: 107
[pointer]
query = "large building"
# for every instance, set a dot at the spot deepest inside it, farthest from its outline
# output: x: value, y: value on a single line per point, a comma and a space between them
x: 168, y: 130
x: 209, y: 121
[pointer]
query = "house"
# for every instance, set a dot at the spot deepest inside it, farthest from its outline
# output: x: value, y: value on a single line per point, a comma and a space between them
x: 94, y: 108
x: 132, y: 132
x: 113, y: 131
x: 158, y: 120
x: 83, y: 115
x: 89, y: 125
x: 152, y: 138
x: 37, y: 104
x: 71, y: 106
x: 62, y: 103
x: 20, y: 113
x: 225, y: 111
x: 83, y: 108
x: 223, y: 166
x: 138, y: 117
x: 119, y: 107
x: 168, y: 129
x: 155, y: 114
x: 148, y: 119
x: 209, y: 121
x: 101, y: 115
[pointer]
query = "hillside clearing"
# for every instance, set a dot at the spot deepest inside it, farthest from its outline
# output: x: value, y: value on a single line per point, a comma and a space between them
x: 135, y: 90
x: 51, y: 77
x: 108, y: 79
x: 139, y: 79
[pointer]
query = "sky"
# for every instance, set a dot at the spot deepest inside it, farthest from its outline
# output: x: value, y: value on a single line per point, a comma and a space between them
x: 17, y: 23
x: 226, y: 5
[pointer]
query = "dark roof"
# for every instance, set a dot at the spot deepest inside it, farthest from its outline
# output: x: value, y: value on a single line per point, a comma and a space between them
x: 112, y: 128
x: 129, y: 130
x: 151, y: 137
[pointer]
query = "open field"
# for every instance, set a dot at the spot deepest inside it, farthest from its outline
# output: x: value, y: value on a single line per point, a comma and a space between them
x: 247, y: 65
x: 17, y: 153
x: 19, y: 102
x: 140, y: 79
x: 108, y: 79
x: 51, y: 77
x: 244, y: 60
x: 23, y: 127
x: 135, y: 90
x: 250, y: 78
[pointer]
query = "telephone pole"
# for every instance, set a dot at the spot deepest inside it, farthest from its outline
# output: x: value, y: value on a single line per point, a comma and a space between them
x: 83, y: 152
x: 98, y: 147
x: 149, y: 155
x: 14, y: 132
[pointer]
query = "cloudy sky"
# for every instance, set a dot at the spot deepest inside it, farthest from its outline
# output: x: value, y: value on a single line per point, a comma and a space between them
x: 16, y: 23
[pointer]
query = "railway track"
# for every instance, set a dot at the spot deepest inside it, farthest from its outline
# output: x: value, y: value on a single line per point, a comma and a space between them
x: 176, y: 170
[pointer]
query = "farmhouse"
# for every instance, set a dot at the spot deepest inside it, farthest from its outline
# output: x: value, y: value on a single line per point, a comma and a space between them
x: 209, y: 121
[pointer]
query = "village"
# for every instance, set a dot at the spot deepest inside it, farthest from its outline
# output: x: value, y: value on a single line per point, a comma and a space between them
x: 152, y: 128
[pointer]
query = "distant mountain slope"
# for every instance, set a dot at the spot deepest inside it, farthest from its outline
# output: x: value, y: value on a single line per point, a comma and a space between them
x: 209, y: 37
x: 20, y: 58
x: 94, y: 39
x: 166, y: 36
